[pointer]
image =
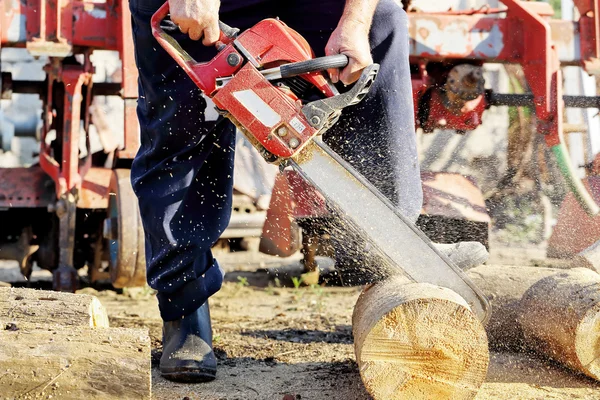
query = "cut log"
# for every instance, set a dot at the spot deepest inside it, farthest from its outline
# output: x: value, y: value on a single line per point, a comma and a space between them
x: 560, y: 317
x: 504, y: 286
x: 54, y: 308
x: 418, y: 341
x: 76, y: 362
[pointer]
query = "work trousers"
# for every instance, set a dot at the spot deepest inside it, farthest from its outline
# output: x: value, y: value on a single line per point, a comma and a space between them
x: 183, y: 172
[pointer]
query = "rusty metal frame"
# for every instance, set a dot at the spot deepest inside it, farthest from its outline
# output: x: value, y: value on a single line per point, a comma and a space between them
x: 59, y: 29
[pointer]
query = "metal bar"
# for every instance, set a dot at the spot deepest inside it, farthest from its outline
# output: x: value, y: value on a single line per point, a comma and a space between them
x: 435, y: 37
x: 40, y: 88
x: 129, y: 84
x: 132, y: 131
x: 526, y: 100
x: 74, y: 79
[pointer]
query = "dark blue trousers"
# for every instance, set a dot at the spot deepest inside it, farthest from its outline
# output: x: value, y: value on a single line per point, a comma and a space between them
x: 183, y: 171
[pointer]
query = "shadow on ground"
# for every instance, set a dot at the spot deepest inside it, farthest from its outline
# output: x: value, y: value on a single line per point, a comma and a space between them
x: 341, y: 335
x: 247, y: 378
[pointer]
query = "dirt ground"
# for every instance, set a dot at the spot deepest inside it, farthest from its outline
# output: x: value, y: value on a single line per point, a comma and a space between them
x: 272, y: 341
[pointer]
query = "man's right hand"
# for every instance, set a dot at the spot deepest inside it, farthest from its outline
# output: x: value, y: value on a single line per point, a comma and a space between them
x: 197, y: 18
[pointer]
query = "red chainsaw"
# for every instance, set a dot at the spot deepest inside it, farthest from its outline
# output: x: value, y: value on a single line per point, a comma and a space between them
x: 268, y: 83
x: 259, y: 78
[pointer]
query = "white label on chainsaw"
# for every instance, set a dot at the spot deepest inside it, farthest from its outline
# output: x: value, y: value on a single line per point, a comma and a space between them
x: 297, y: 125
x: 257, y: 107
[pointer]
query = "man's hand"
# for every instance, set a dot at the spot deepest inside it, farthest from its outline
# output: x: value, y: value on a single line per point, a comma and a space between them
x: 351, y: 37
x: 197, y: 18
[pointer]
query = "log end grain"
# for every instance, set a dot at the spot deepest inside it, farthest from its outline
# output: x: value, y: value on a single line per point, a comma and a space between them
x: 418, y: 341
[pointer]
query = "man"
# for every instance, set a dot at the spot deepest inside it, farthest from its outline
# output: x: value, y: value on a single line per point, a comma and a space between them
x: 183, y: 172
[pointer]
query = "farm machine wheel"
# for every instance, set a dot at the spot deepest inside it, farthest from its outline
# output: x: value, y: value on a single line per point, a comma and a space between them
x: 125, y: 234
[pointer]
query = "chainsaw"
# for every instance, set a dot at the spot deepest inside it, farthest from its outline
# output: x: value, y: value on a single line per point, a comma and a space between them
x: 267, y: 81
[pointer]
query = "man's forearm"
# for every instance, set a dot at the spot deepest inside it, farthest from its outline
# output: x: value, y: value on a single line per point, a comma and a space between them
x: 359, y: 11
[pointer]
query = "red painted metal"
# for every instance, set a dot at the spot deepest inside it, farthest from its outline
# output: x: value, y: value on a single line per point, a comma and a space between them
x: 66, y: 172
x: 542, y: 69
x: 267, y: 133
x: 589, y: 27
x: 467, y: 119
x: 523, y: 37
x: 56, y: 27
x: 281, y: 234
x: 131, y: 130
x: 95, y: 189
x: 33, y: 188
x: 26, y: 188
x: 273, y: 115
x: 129, y: 81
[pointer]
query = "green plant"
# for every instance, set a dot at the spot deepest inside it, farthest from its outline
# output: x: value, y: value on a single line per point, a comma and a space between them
x: 297, y: 281
x: 242, y: 282
x: 318, y: 291
x: 269, y: 290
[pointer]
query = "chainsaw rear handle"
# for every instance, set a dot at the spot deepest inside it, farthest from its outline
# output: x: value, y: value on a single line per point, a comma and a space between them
x: 182, y: 57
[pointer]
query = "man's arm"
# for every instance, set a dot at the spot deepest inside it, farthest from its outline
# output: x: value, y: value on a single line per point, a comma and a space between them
x: 351, y: 37
x: 197, y: 18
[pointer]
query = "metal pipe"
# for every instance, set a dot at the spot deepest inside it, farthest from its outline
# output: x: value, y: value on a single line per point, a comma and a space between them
x: 39, y: 88
x: 526, y: 100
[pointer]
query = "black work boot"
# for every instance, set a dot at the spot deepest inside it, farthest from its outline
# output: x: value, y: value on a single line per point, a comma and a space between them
x: 187, y: 348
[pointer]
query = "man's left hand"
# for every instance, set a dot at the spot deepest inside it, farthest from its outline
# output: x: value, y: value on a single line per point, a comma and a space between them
x: 352, y: 39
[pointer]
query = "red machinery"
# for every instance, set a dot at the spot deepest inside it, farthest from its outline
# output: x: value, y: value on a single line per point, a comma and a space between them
x: 447, y: 49
x: 57, y: 209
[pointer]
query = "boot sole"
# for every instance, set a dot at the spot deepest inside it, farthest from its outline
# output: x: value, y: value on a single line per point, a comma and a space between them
x: 189, y: 376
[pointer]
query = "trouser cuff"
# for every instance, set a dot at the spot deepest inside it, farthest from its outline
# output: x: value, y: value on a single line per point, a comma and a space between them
x: 191, y: 296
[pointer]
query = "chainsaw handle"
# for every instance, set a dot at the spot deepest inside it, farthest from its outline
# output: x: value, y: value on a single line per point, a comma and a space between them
x: 182, y: 57
x: 314, y: 65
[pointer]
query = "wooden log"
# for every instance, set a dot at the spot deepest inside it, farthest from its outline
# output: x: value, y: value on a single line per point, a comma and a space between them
x: 418, y: 341
x: 504, y: 286
x: 55, y: 308
x: 76, y: 362
x: 560, y: 317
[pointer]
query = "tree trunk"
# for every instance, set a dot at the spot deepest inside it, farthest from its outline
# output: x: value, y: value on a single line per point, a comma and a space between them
x: 504, y: 286
x: 418, y: 341
x: 560, y: 317
x: 55, y: 308
x: 75, y: 362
